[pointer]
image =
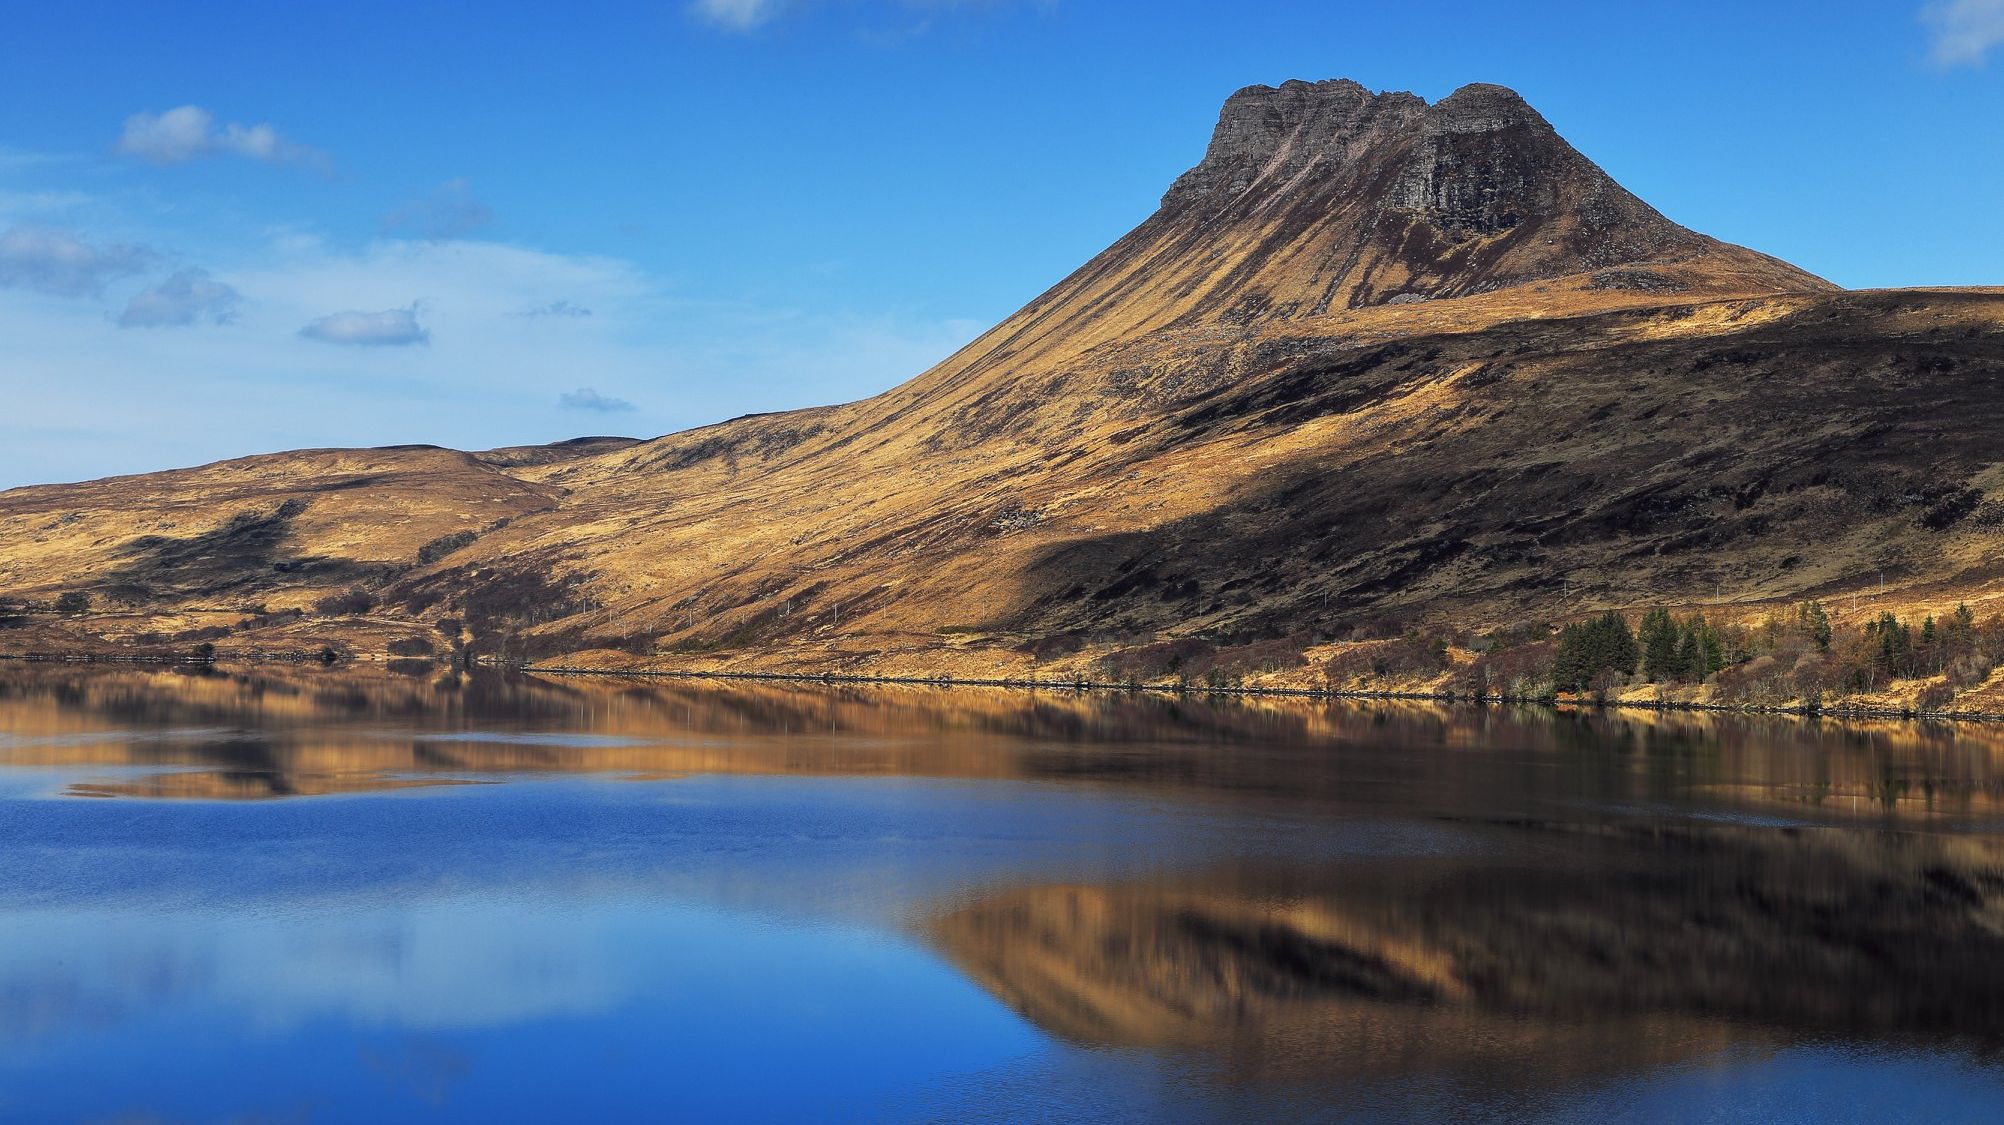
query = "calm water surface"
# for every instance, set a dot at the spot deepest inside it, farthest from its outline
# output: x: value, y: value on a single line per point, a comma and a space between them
x: 309, y: 896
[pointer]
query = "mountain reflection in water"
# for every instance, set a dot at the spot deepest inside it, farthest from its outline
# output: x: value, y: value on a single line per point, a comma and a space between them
x: 1661, y: 941
x: 1202, y: 907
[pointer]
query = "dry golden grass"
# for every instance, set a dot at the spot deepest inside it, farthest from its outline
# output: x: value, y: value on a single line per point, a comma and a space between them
x: 1215, y: 428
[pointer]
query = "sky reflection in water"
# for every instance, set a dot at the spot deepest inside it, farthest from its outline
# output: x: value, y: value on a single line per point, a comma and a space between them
x: 671, y: 900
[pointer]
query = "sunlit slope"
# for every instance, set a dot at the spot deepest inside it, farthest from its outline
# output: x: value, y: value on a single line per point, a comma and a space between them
x: 1372, y: 360
x: 275, y: 528
x: 1742, y: 449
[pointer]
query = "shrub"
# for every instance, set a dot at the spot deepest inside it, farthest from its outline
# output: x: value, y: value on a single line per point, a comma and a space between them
x: 444, y: 545
x: 1149, y: 661
x: 1969, y: 671
x: 1417, y: 654
x: 1764, y: 681
x: 502, y: 601
x: 1935, y: 697
x: 347, y: 603
x: 1236, y: 661
x: 1522, y: 633
x: 411, y: 646
x: 1051, y: 647
x: 1607, y: 684
x: 1521, y: 671
x: 73, y: 603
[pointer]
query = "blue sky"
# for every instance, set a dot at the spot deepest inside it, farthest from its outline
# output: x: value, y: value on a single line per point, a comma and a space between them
x: 232, y: 228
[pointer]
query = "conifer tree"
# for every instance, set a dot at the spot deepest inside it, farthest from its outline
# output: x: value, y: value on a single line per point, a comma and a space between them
x: 1895, y: 644
x: 1690, y: 656
x: 1712, y: 647
x: 1817, y: 622
x: 1588, y: 648
x: 1658, y: 637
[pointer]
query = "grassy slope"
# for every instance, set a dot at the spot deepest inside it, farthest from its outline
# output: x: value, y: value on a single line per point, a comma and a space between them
x: 1208, y: 430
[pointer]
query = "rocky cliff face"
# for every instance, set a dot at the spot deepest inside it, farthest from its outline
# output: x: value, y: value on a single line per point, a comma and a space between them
x: 1271, y: 135
x: 1398, y: 200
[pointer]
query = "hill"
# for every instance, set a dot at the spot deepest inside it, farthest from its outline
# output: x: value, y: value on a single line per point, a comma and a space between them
x: 1373, y: 362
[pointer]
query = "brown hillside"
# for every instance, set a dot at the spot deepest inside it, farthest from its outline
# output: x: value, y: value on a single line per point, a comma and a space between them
x: 1372, y: 360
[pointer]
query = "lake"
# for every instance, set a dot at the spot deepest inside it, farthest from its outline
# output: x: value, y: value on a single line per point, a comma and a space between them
x: 307, y: 895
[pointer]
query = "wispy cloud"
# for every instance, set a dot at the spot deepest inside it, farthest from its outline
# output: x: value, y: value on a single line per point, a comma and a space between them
x: 185, y: 297
x: 1964, y: 32
x: 913, y: 17
x: 190, y: 132
x: 16, y: 158
x: 736, y: 15
x: 585, y: 398
x: 58, y: 262
x: 556, y: 308
x: 389, y: 328
x: 87, y: 397
x: 40, y: 202
x: 449, y: 212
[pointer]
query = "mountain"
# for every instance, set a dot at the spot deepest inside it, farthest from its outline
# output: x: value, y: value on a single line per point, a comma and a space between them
x: 1372, y: 362
x: 1323, y: 197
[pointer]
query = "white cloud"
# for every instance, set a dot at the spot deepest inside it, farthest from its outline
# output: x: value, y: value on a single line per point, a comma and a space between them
x: 389, y: 328
x: 447, y: 213
x: 184, y: 298
x: 259, y: 142
x: 736, y: 15
x: 190, y: 132
x: 168, y: 138
x: 57, y: 262
x: 585, y: 398
x: 1964, y: 32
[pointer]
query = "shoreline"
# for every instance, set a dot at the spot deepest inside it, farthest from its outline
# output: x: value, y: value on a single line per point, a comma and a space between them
x: 1796, y: 710
x: 1032, y: 685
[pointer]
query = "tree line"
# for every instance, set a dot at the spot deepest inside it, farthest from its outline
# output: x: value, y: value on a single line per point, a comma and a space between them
x: 1795, y: 653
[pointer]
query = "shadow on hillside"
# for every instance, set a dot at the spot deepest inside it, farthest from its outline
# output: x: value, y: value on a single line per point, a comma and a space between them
x: 1792, y: 458
x: 249, y: 552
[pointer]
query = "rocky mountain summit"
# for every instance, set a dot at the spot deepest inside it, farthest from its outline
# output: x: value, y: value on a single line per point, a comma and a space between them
x: 1402, y: 201
x: 1373, y: 361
